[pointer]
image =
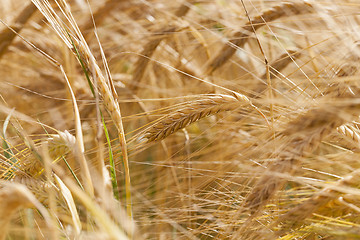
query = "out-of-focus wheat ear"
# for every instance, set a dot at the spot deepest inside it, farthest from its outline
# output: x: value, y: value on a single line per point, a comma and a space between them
x: 184, y: 8
x: 100, y: 15
x: 7, y: 35
x: 238, y: 39
x: 302, y: 136
x: 145, y: 55
x: 352, y: 133
x: 38, y: 187
x: 58, y: 144
x: 297, y: 215
x: 190, y: 113
x: 269, y: 183
x: 66, y: 193
x: 157, y: 37
x: 14, y: 196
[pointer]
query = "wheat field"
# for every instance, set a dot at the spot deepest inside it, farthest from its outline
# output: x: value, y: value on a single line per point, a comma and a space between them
x: 155, y: 119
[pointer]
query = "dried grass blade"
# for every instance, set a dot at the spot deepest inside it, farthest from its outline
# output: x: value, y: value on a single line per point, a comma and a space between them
x: 79, y: 146
x: 101, y: 217
x: 71, y: 204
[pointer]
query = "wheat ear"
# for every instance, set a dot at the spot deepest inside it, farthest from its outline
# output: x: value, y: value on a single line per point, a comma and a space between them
x: 145, y: 55
x: 241, y: 37
x: 150, y: 47
x: 58, y: 144
x: 106, y: 89
x: 37, y: 186
x: 7, y: 35
x: 190, y: 113
x: 351, y: 133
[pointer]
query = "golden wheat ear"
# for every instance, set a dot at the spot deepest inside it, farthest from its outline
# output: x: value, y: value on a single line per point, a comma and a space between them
x: 59, y: 145
x: 75, y: 41
x: 191, y: 112
x: 149, y: 48
x: 7, y: 36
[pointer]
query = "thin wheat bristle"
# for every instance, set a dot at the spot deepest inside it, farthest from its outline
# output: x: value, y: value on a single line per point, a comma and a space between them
x: 37, y: 186
x: 239, y: 38
x: 295, y: 216
x: 303, y: 135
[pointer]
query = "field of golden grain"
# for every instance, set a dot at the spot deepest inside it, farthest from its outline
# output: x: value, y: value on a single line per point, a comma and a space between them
x: 184, y: 119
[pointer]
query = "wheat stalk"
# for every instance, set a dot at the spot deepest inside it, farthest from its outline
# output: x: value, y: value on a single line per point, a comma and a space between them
x: 106, y: 89
x: 241, y: 37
